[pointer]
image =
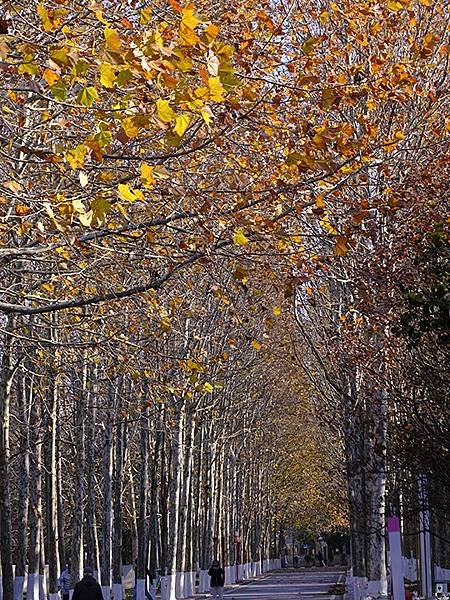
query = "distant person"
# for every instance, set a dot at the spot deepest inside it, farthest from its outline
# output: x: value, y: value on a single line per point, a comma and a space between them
x: 64, y: 582
x: 217, y: 575
x: 88, y: 588
x: 308, y: 560
x: 330, y: 556
x: 319, y: 559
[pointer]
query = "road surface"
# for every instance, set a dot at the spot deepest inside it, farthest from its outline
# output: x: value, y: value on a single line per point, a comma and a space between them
x: 297, y: 585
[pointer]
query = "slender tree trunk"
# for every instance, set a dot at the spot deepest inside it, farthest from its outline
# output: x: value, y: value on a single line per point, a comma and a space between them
x: 91, y: 427
x: 105, y: 566
x: 59, y: 498
x: 5, y: 499
x: 35, y: 517
x: 24, y: 475
x: 78, y: 517
x: 119, y: 456
x: 142, y: 526
x: 52, y: 490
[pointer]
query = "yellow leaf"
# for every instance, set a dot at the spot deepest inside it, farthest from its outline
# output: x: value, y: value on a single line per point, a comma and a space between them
x: 212, y: 31
x: 112, y: 39
x: 193, y: 365
x: 207, y: 387
x: 50, y: 76
x: 182, y: 123
x: 22, y: 209
x: 60, y: 55
x: 189, y: 19
x: 394, y: 5
x: 239, y: 238
x: 77, y: 156
x: 206, y: 114
x: 146, y: 15
x: 216, y: 89
x: 43, y: 15
x: 256, y: 345
x: 147, y: 175
x: 131, y: 127
x: 86, y: 218
x: 165, y: 112
x: 107, y: 75
x: 276, y: 311
x: 125, y: 193
x: 83, y: 179
x: 188, y: 36
x: 341, y: 247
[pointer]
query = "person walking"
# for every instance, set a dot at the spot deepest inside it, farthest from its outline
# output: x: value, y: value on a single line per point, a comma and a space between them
x: 88, y: 588
x: 64, y: 582
x: 217, y: 575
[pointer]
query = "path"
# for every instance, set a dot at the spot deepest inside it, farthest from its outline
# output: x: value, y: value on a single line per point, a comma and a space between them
x: 290, y: 585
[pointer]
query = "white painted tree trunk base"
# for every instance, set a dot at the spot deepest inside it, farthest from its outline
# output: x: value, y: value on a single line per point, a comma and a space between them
x: 204, y: 582
x: 164, y: 588
x: 1, y: 588
x: 172, y: 587
x: 189, y: 584
x: 179, y: 585
x: 140, y: 589
x: 258, y: 569
x: 19, y: 583
x: 230, y: 575
x: 42, y: 587
x: 53, y: 596
x: 376, y: 589
x: 117, y: 591
x: 33, y: 586
x: 106, y: 592
x: 359, y: 587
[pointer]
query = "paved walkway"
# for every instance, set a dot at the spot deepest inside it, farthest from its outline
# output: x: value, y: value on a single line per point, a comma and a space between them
x: 297, y: 585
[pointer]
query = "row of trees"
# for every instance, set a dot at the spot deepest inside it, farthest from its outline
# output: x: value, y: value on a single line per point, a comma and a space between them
x: 166, y: 445
x: 174, y: 177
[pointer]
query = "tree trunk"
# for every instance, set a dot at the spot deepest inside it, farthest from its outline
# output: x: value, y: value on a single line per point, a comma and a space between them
x: 78, y: 516
x: 119, y: 456
x: 142, y: 527
x: 23, y: 398
x: 35, y: 517
x: 52, y: 521
x: 105, y: 566
x: 5, y: 499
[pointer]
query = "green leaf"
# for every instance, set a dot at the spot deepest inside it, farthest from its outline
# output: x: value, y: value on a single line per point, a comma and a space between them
x: 100, y: 207
x: 59, y: 90
x: 87, y: 96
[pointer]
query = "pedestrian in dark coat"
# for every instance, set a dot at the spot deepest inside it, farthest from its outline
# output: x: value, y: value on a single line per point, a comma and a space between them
x: 88, y: 588
x: 217, y: 575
